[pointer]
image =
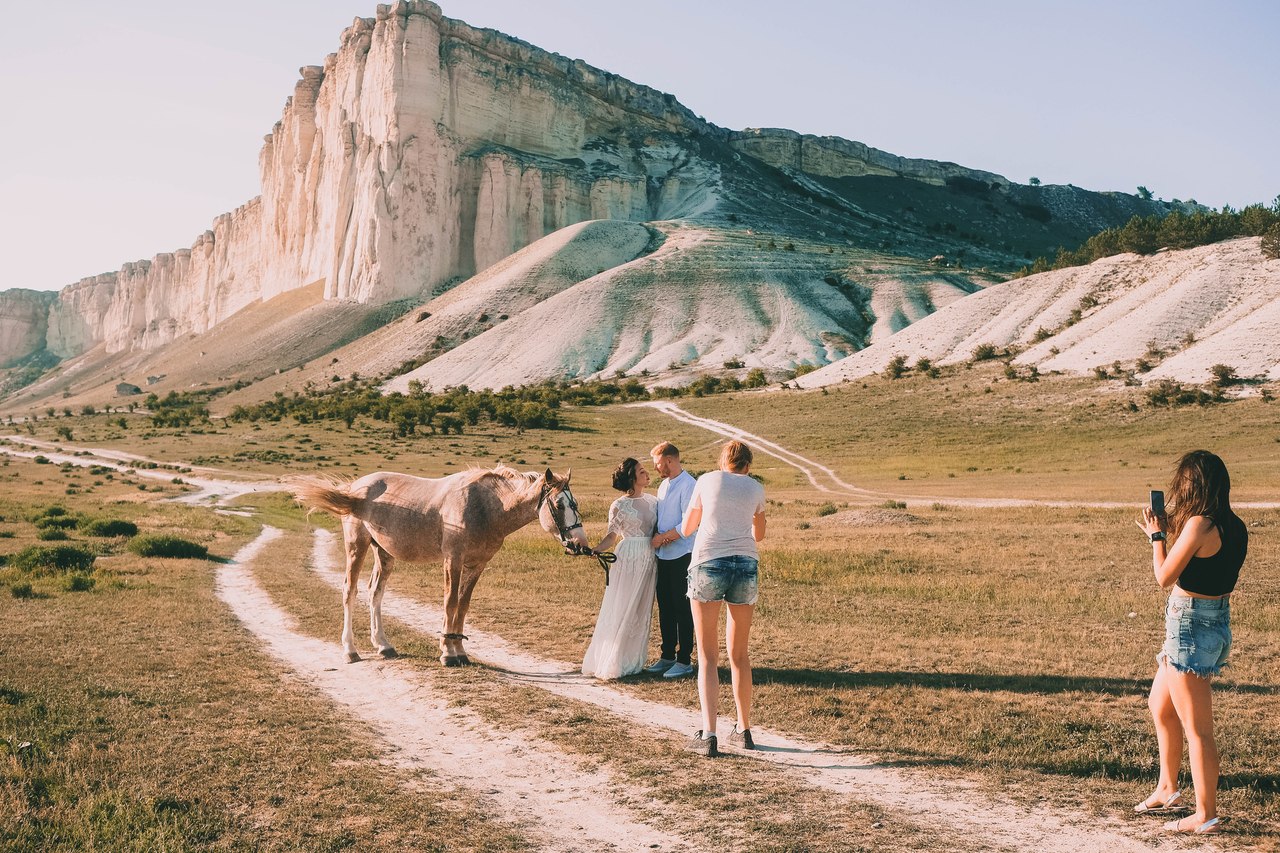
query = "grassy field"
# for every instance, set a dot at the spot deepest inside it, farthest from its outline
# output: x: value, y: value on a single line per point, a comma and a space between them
x: 1014, y: 647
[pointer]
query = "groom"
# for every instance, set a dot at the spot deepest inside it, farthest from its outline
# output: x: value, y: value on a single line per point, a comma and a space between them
x: 675, y: 619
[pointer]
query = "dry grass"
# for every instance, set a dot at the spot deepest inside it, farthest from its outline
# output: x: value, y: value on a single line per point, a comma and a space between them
x: 154, y: 723
x: 996, y: 645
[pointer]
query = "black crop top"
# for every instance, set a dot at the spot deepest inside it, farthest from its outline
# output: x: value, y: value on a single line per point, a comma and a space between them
x: 1217, y: 575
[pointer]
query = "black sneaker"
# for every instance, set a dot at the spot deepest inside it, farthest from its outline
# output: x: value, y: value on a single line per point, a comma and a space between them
x: 741, y: 738
x: 703, y: 745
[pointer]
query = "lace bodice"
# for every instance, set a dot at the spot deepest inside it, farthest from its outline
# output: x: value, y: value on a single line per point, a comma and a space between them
x: 634, y: 516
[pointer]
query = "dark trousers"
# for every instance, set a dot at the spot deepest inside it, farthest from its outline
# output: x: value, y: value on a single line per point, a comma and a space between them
x: 675, y: 618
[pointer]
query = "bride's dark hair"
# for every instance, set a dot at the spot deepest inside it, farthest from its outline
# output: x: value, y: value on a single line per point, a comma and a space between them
x: 624, y: 476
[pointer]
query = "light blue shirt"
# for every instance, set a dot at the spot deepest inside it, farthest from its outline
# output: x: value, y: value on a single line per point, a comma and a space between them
x: 673, y: 500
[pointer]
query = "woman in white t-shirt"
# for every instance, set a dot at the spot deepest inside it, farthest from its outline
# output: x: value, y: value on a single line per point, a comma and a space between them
x: 727, y: 511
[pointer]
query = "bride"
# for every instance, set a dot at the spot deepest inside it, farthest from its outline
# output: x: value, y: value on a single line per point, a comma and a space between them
x: 620, y: 643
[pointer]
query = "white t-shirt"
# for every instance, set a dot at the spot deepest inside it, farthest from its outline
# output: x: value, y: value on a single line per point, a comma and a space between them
x: 729, y: 502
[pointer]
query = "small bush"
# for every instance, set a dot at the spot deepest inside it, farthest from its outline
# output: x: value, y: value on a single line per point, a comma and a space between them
x: 1166, y: 392
x: 985, y: 352
x: 57, y: 522
x: 109, y: 527
x: 53, y: 559
x: 896, y: 367
x: 164, y: 545
x: 1271, y: 242
x: 52, y: 534
x: 827, y: 509
x: 1224, y: 375
x: 22, y: 590
x: 802, y: 369
x: 893, y: 505
x: 78, y: 583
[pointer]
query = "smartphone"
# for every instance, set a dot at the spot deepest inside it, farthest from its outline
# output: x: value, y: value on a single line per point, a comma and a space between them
x: 1157, y: 503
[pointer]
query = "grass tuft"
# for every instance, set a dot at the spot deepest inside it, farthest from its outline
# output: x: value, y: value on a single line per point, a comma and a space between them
x: 165, y: 545
x: 53, y: 559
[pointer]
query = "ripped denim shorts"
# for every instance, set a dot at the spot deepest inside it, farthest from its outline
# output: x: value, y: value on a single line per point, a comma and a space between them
x: 731, y: 579
x: 1197, y: 634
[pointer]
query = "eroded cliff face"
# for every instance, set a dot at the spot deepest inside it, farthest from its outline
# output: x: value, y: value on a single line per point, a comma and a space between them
x: 421, y: 151
x: 23, y: 323
x: 833, y: 157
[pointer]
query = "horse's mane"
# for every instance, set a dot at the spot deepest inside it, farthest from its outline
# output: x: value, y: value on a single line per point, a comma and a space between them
x: 502, y: 477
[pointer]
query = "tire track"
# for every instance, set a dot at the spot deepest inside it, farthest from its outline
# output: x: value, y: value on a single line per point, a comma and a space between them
x: 548, y: 793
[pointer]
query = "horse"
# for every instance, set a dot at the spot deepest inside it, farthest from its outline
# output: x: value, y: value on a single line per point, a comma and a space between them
x: 461, y: 519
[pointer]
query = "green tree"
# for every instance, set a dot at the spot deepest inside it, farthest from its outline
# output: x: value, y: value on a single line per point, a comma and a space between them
x: 1034, y: 181
x: 1271, y: 242
x: 1144, y: 193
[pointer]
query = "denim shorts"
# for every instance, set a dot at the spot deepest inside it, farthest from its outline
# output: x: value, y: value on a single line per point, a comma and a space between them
x: 1197, y: 634
x: 731, y: 579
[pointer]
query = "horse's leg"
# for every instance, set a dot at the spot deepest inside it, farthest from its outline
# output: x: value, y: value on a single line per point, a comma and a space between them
x: 382, y: 563
x: 357, y: 545
x: 450, y: 648
x: 470, y: 574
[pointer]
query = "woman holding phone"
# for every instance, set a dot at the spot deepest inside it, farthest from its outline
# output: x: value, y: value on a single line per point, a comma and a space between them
x: 1200, y: 569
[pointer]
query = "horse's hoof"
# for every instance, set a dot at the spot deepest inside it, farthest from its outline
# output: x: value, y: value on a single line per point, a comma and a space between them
x: 451, y: 660
x: 353, y: 657
x: 463, y: 660
x: 389, y: 652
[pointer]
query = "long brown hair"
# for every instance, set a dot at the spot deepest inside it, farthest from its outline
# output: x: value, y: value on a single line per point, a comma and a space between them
x: 1201, y: 486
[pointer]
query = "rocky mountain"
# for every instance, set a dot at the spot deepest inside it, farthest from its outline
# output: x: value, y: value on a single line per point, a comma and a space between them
x: 425, y: 152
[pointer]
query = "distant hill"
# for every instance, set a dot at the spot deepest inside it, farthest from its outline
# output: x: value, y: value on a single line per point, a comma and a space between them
x: 408, y: 172
x: 1173, y: 315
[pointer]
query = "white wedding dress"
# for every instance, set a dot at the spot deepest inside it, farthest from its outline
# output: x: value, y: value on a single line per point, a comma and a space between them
x: 620, y: 643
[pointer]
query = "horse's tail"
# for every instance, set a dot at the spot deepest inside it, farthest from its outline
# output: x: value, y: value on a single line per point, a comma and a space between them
x: 331, y: 495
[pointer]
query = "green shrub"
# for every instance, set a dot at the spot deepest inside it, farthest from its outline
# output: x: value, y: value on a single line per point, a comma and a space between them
x: 52, y: 534
x: 109, y: 527
x: 53, y: 559
x: 51, y: 511
x: 58, y: 522
x: 22, y: 590
x: 77, y: 582
x: 827, y: 509
x: 1271, y: 242
x: 891, y: 504
x: 985, y: 352
x: 164, y: 545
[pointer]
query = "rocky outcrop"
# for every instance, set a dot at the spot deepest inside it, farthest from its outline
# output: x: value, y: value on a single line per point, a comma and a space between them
x: 422, y: 151
x: 833, y: 157
x: 24, y: 316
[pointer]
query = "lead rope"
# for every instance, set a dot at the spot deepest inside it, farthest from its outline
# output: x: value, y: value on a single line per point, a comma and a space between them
x: 605, y: 558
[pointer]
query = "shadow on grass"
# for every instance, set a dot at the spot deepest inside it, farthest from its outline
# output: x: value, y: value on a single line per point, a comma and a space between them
x: 979, y: 682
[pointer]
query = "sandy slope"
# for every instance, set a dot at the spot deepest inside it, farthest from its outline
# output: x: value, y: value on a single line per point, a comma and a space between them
x: 1217, y: 304
x: 706, y: 296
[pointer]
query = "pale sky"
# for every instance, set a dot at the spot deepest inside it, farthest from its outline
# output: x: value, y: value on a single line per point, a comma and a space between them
x: 129, y: 126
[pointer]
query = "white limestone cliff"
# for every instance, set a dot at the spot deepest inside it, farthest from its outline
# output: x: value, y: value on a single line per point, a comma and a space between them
x: 422, y: 151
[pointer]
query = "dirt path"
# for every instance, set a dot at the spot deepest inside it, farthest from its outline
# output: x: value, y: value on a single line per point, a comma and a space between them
x: 549, y: 794
x: 825, y: 480
x: 1002, y: 825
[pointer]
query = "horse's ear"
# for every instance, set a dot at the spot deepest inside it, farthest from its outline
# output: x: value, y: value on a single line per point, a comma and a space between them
x: 548, y: 477
x: 567, y: 475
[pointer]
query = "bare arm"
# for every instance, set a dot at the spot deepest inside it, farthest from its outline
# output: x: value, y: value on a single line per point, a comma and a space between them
x: 692, y: 519
x: 757, y: 526
x: 1168, y: 563
x: 607, y: 542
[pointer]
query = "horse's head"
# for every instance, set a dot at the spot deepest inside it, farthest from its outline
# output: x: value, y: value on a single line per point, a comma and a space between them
x: 558, y: 511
